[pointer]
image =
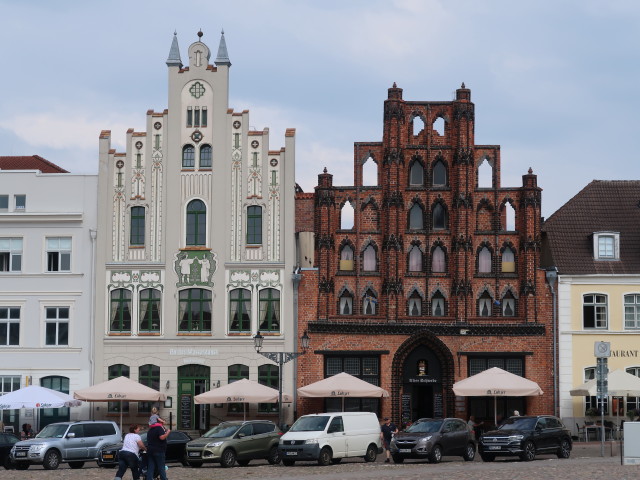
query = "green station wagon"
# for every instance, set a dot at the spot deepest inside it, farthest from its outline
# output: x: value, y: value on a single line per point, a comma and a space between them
x: 236, y: 442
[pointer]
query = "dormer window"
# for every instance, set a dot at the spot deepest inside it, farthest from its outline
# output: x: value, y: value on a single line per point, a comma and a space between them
x: 606, y: 245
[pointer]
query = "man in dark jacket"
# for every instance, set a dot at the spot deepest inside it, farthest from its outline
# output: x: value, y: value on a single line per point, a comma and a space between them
x: 156, y: 449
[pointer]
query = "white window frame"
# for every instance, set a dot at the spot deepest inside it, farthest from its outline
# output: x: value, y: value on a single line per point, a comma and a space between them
x: 631, y: 311
x: 20, y: 202
x: 13, y: 246
x: 598, y: 324
x: 5, y: 200
x: 51, y: 248
x: 57, y: 321
x: 612, y: 253
x: 8, y: 321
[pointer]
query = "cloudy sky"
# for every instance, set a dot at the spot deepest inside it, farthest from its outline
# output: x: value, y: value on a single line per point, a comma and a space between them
x: 556, y: 83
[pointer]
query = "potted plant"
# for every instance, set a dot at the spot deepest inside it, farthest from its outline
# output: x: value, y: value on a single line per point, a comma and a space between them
x: 592, y: 413
x: 632, y: 414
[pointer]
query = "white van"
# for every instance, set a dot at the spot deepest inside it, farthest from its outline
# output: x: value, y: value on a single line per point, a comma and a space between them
x: 330, y: 437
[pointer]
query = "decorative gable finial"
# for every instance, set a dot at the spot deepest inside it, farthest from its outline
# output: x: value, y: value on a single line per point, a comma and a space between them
x: 200, y: 34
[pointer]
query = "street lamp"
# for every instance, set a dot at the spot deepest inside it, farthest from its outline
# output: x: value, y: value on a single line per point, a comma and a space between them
x: 280, y: 358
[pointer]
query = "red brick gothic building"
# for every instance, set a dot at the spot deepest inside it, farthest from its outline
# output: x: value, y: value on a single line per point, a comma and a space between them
x: 438, y: 277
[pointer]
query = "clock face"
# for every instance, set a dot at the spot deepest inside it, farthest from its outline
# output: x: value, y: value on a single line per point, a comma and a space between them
x: 119, y: 164
x: 138, y: 144
x: 157, y: 125
x: 196, y: 136
x: 236, y: 124
x: 255, y: 144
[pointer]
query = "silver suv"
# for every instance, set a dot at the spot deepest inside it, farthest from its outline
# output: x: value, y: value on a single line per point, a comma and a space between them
x: 65, y: 442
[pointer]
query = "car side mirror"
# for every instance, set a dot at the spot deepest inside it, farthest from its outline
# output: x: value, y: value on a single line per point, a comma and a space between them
x: 71, y: 435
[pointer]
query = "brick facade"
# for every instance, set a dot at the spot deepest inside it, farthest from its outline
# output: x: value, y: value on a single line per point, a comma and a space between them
x: 449, y: 324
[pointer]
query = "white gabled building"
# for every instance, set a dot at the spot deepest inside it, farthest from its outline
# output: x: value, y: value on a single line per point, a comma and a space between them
x: 195, y: 249
x: 48, y: 222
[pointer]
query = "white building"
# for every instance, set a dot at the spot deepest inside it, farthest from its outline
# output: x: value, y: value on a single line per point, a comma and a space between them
x: 195, y: 249
x: 48, y: 224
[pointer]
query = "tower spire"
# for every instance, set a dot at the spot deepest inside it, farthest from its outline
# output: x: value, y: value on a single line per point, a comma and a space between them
x: 174, y: 53
x: 223, y: 55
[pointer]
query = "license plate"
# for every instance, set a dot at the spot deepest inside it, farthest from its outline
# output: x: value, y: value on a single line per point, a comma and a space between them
x: 107, y: 457
x: 21, y: 454
x: 194, y: 454
x: 291, y: 453
x: 494, y: 447
x: 404, y: 450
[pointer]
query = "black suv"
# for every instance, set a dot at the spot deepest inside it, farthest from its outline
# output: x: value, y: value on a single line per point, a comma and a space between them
x: 525, y: 437
x: 432, y: 439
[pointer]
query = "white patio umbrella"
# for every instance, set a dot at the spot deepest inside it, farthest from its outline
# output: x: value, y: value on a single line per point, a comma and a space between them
x: 120, y: 389
x: 342, y: 385
x: 242, y: 391
x: 495, y: 383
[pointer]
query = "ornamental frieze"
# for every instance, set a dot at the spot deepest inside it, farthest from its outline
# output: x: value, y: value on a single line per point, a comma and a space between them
x: 464, y: 110
x: 463, y: 156
x: 254, y: 279
x: 135, y: 279
x: 195, y: 268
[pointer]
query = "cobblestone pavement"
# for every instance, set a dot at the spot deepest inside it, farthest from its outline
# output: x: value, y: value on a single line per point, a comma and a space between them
x: 585, y: 464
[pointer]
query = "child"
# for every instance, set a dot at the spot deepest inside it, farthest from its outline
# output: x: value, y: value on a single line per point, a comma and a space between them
x: 155, y: 419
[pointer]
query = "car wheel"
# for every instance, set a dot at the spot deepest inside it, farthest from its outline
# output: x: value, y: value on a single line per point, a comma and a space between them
x: 51, y: 460
x: 436, y: 454
x: 7, y: 463
x: 288, y: 463
x: 565, y: 449
x: 397, y: 459
x: 184, y: 460
x: 487, y: 457
x: 76, y: 465
x: 228, y: 458
x: 274, y: 456
x: 325, y: 456
x: 195, y: 464
x: 528, y: 452
x: 371, y: 454
x: 469, y: 452
x: 22, y: 465
x: 243, y: 463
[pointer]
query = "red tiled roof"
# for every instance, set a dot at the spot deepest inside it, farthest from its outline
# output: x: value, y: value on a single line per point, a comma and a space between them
x: 601, y: 206
x: 33, y: 162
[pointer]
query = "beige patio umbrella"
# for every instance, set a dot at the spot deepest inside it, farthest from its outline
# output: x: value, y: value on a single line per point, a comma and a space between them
x: 495, y: 383
x: 119, y: 389
x: 342, y: 385
x: 242, y: 391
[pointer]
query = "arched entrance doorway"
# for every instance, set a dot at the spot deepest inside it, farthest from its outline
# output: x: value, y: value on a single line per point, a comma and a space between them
x: 423, y: 367
x: 192, y: 380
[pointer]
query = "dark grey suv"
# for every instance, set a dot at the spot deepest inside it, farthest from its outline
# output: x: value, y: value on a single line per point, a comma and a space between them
x: 432, y: 439
x: 525, y: 437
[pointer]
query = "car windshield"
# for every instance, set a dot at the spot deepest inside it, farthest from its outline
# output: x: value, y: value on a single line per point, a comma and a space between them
x: 222, y: 430
x: 427, y: 426
x: 52, y: 431
x: 516, y: 423
x: 310, y: 424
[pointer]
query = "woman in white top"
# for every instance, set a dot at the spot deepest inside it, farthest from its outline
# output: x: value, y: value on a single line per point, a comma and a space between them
x: 128, y: 456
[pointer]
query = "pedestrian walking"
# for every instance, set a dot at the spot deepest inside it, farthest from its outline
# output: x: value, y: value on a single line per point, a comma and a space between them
x: 156, y: 449
x: 387, y: 430
x: 128, y: 457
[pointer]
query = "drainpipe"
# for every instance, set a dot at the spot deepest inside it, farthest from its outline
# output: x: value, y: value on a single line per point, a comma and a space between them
x: 552, y: 277
x: 92, y: 302
x: 296, y: 277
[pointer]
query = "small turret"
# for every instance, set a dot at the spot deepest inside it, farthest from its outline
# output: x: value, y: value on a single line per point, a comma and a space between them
x: 174, y: 54
x: 223, y: 55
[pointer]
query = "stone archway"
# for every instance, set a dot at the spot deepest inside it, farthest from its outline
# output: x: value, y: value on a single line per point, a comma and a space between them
x: 446, y: 370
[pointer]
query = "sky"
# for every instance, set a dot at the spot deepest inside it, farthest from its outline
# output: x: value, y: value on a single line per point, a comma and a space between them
x: 555, y: 82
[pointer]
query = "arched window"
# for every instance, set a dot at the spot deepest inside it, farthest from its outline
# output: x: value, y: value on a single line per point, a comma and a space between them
x: 508, y: 261
x: 254, y: 225
x: 439, y: 176
x: 439, y: 217
x: 369, y: 303
x: 346, y: 216
x: 508, y: 305
x: 369, y: 260
x: 120, y: 319
x: 415, y: 259
x: 416, y: 175
x: 149, y: 376
x: 205, y: 156
x: 438, y: 260
x: 346, y: 258
x: 269, y: 310
x: 195, y: 310
x: 240, y: 310
x: 485, y: 174
x: 346, y: 303
x: 188, y: 156
x: 484, y: 260
x: 136, y: 235
x: 150, y: 310
x: 416, y: 218
x: 437, y: 305
x: 196, y: 223
x: 370, y: 172
x: 414, y: 305
x: 484, y: 305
